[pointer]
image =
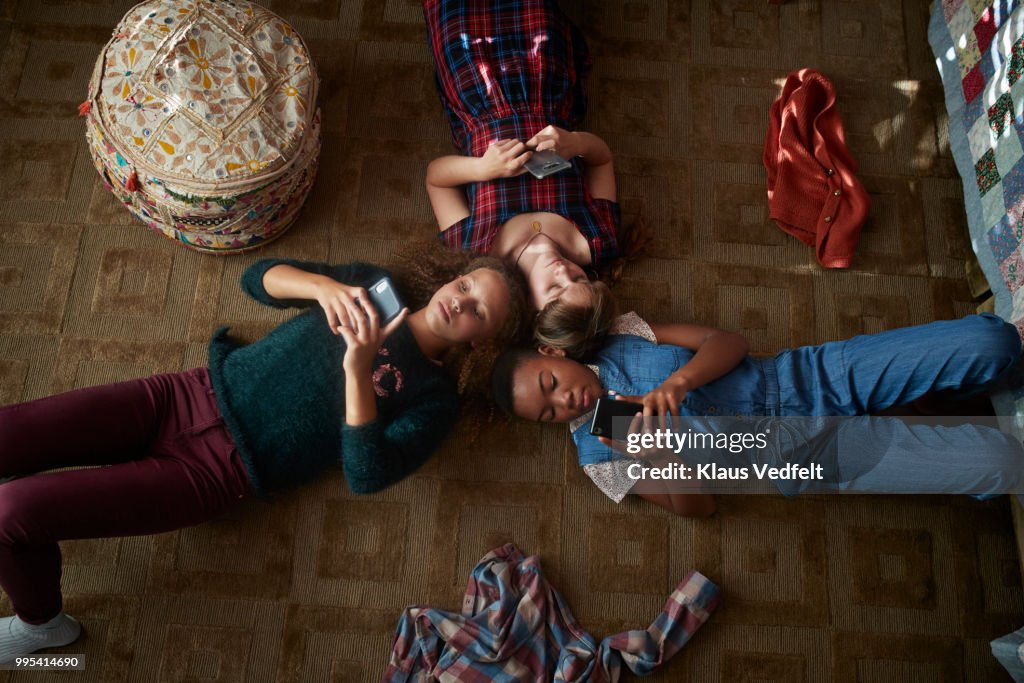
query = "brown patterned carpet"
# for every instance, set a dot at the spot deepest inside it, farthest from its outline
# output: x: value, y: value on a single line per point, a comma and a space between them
x: 880, y: 589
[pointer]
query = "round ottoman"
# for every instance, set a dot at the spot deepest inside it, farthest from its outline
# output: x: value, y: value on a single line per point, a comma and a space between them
x: 202, y: 120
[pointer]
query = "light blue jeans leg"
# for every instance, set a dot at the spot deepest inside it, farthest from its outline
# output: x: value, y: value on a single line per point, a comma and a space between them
x: 872, y: 372
x: 889, y: 455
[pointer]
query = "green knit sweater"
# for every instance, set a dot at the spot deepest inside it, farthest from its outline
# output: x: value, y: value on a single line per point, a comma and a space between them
x: 283, y: 397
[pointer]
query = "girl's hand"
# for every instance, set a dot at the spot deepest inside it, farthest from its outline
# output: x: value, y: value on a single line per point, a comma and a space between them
x: 363, y: 336
x: 558, y: 140
x: 665, y: 399
x: 341, y: 303
x: 504, y: 159
x: 633, y: 447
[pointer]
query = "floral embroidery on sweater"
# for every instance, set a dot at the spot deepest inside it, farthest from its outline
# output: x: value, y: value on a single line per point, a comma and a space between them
x: 386, y: 378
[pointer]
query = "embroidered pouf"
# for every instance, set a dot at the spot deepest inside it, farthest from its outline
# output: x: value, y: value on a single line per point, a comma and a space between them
x: 202, y: 120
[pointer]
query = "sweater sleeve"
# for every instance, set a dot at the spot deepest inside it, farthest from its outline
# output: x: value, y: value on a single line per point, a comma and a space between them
x: 357, y: 274
x: 379, y: 453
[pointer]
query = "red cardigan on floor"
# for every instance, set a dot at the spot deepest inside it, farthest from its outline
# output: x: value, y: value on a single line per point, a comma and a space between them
x: 813, y: 192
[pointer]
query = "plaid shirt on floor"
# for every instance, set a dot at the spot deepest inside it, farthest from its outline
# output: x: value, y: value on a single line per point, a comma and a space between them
x: 506, y: 70
x: 515, y: 627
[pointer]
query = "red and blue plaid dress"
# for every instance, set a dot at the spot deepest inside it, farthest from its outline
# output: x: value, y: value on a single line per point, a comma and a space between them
x: 506, y: 69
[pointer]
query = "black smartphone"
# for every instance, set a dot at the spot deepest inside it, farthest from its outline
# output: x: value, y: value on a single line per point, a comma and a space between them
x: 385, y: 299
x: 607, y: 409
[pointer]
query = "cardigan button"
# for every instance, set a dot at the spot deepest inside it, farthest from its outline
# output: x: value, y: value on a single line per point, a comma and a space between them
x: 828, y: 219
x: 836, y: 193
x: 829, y: 171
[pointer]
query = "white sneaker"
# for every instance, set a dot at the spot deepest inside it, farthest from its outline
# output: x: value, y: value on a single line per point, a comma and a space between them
x: 18, y: 638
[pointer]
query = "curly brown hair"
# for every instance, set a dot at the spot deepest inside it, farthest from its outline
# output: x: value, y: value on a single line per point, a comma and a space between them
x: 421, y: 267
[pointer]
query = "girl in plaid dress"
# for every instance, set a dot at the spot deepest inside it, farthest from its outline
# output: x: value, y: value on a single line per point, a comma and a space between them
x: 510, y: 76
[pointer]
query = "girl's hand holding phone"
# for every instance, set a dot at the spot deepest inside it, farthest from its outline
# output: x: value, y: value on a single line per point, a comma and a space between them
x: 504, y: 159
x: 553, y: 138
x: 666, y: 398
x: 341, y: 303
x: 639, y: 426
x: 364, y: 336
x: 663, y: 402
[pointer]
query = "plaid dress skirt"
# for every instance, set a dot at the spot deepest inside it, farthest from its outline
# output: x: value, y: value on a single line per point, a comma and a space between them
x: 506, y: 69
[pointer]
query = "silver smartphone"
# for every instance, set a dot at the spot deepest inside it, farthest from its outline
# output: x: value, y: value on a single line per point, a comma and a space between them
x: 543, y: 164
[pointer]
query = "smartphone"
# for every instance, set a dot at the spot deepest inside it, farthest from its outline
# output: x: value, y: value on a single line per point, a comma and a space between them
x: 543, y: 164
x: 385, y: 299
x: 607, y: 409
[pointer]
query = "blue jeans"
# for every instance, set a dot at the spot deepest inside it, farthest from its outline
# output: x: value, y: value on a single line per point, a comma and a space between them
x: 869, y: 373
x: 872, y: 372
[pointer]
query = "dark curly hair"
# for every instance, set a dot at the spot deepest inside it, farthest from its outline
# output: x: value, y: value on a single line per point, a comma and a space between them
x: 421, y: 267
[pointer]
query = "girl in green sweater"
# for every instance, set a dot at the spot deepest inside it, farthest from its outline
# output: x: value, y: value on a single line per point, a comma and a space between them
x: 329, y: 385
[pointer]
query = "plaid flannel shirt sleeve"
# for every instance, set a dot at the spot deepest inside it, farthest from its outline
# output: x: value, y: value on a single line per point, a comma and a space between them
x: 513, y: 620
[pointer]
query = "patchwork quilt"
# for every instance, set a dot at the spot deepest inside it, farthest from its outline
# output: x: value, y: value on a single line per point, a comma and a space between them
x: 979, y: 51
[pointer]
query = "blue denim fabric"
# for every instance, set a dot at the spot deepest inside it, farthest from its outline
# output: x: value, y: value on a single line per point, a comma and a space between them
x: 890, y: 455
x: 872, y: 372
x: 1009, y: 650
x: 634, y: 366
x: 865, y: 374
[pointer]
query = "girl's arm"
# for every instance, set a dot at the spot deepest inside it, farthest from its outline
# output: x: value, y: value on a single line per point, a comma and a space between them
x: 599, y: 173
x: 284, y: 281
x: 446, y: 175
x: 378, y: 453
x: 716, y: 352
x: 363, y: 337
x: 360, y: 399
x: 447, y: 201
x: 341, y: 302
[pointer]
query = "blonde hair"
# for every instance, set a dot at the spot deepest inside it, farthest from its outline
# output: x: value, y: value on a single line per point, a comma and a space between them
x: 577, y: 330
x: 580, y: 330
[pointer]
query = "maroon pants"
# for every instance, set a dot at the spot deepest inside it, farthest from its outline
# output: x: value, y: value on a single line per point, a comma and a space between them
x: 167, y: 462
